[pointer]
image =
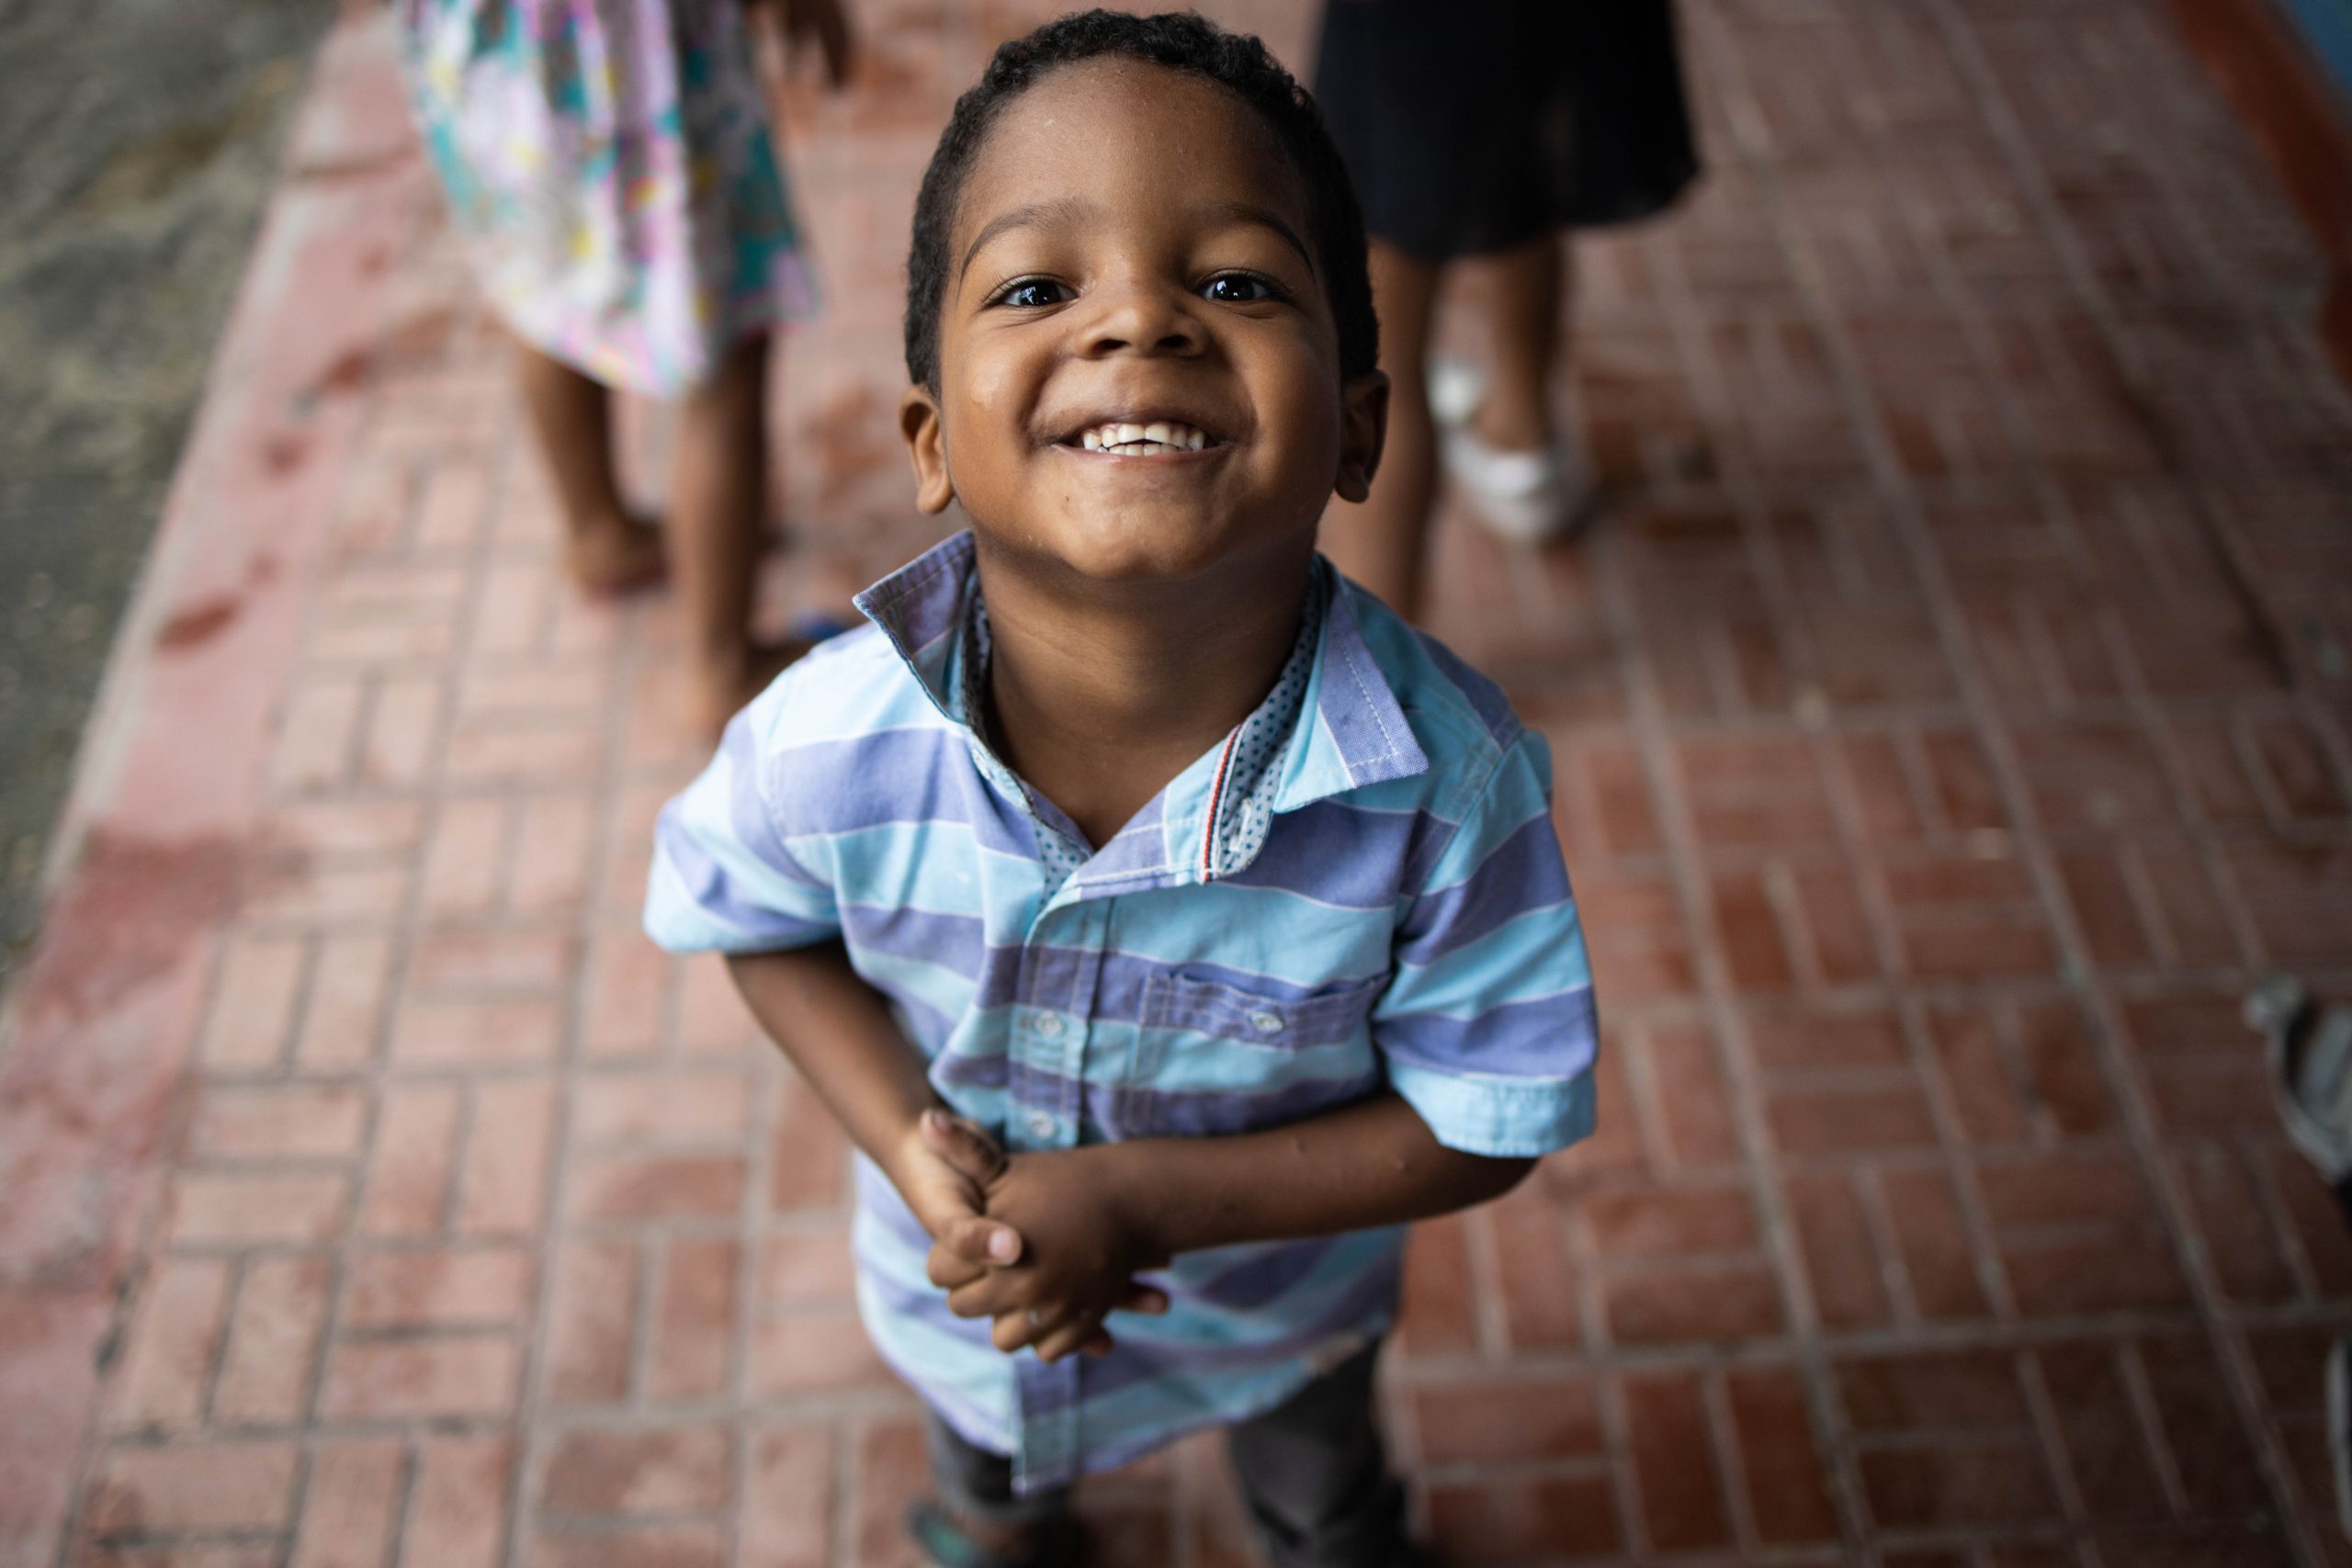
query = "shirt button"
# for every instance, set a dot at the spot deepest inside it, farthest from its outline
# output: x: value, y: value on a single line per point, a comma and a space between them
x: 1049, y: 1025
x: 1266, y: 1022
x: 1041, y: 1124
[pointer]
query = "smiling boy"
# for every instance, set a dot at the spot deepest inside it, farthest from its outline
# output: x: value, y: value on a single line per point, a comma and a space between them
x: 1166, y: 922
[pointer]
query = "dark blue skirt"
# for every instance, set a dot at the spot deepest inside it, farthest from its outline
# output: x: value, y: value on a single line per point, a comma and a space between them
x: 1472, y: 126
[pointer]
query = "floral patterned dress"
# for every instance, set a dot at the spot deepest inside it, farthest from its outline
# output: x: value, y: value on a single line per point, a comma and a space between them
x: 608, y: 162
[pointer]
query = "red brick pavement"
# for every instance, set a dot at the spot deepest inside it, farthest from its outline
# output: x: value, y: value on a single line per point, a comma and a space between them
x: 1950, y: 720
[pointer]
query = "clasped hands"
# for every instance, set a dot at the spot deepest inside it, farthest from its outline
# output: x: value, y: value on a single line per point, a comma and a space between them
x: 1044, y: 1243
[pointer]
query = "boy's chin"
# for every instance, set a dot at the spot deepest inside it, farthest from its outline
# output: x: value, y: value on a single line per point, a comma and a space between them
x: 1140, y: 549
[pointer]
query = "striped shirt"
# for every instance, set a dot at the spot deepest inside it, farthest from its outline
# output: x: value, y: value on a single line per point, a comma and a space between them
x: 1358, y: 888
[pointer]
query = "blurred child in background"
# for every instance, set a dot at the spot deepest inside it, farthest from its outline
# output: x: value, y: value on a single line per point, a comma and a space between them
x: 1475, y: 133
x: 609, y: 163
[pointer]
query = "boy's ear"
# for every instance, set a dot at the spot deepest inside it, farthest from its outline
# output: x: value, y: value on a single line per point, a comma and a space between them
x: 1364, y: 409
x: 927, y: 444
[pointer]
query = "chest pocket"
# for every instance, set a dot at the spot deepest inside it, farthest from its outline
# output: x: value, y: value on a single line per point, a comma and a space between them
x: 1194, y: 1005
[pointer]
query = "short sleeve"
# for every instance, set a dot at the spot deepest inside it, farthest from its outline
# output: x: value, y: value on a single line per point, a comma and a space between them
x: 724, y: 879
x: 1487, y: 1026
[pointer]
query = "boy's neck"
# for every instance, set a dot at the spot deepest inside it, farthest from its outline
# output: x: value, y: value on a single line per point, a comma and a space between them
x: 1100, y: 693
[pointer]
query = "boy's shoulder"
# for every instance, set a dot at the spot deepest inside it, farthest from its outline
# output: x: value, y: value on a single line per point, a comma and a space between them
x: 1463, y: 723
x: 847, y: 688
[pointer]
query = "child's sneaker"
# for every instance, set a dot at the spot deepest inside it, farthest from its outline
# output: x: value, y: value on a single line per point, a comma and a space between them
x: 945, y: 1543
x: 1528, y: 498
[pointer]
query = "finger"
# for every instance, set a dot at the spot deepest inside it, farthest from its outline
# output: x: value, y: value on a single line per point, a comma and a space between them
x: 972, y: 1153
x: 1012, y: 1330
x: 980, y: 1298
x: 1098, y: 1344
x: 1067, y: 1339
x: 948, y: 1268
x: 988, y: 1243
x: 1149, y: 1300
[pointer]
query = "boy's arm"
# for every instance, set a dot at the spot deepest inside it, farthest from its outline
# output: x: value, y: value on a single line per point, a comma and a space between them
x: 1366, y: 1165
x: 838, y: 1034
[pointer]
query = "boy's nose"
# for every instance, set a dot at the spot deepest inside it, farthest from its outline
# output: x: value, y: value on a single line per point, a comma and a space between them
x: 1140, y: 318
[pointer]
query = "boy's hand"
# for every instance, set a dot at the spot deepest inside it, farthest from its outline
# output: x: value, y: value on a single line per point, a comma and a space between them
x: 1083, y: 1252
x: 943, y: 1170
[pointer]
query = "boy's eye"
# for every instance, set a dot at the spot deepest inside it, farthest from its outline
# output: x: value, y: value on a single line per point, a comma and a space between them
x: 1236, y: 288
x: 1031, y: 293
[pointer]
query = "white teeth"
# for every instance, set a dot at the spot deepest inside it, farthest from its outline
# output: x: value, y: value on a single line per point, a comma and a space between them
x: 1145, y: 440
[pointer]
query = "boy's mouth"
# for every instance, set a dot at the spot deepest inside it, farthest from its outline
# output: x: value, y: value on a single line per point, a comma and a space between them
x: 1140, y: 439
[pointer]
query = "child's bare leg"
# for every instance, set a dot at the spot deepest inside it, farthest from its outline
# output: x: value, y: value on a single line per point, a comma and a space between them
x: 718, y: 494
x: 604, y: 548
x: 1381, y: 544
x: 1524, y: 292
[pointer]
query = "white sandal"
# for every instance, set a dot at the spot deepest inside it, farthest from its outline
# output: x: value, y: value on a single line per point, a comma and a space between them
x: 1528, y: 498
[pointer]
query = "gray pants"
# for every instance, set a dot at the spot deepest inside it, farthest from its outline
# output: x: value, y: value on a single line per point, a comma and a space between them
x: 1312, y: 1470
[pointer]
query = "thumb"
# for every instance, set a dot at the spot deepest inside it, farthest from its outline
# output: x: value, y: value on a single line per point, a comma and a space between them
x: 989, y: 1242
x: 972, y: 1153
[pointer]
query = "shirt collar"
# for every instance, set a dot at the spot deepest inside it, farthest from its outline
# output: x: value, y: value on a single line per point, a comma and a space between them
x: 1353, y: 728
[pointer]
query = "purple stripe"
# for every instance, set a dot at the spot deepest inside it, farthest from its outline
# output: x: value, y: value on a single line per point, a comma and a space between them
x: 1522, y: 873
x: 747, y: 807
x: 958, y: 1069
x: 1126, y: 1112
x: 714, y: 893
x: 1336, y: 853
x: 955, y: 942
x: 1331, y: 1017
x: 892, y: 776
x: 1486, y: 698
x: 1549, y: 1038
x: 1273, y: 1271
x: 1131, y: 1362
x: 1138, y: 850
x: 1113, y: 987
x: 1356, y: 706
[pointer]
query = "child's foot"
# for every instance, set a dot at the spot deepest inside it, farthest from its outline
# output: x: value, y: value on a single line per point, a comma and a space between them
x: 947, y: 1541
x: 607, y: 559
x: 1528, y: 495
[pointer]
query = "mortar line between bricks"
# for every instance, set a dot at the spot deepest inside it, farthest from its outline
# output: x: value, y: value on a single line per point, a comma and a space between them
x: 1722, y: 1435
x: 2042, y: 1417
x: 522, y: 1495
x: 749, y: 1270
x: 1612, y: 1414
x: 1725, y: 1030
x: 1722, y: 1017
x: 2244, y: 1153
x: 1902, y: 509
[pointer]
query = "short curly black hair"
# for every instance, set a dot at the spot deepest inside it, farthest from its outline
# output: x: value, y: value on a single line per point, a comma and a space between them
x: 1181, y: 41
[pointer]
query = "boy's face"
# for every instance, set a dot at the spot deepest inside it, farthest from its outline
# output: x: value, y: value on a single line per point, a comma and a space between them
x: 1131, y: 249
